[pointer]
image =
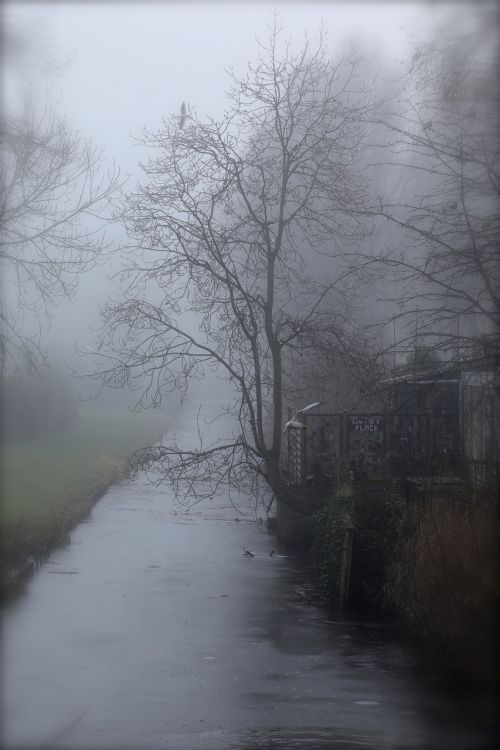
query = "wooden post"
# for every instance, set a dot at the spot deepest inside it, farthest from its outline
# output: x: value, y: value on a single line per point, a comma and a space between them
x: 430, y: 443
x: 385, y: 465
x: 289, y: 452
x: 343, y: 438
x: 304, y: 450
x: 345, y: 568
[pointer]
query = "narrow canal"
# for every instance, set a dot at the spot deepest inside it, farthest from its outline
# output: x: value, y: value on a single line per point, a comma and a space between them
x: 152, y: 629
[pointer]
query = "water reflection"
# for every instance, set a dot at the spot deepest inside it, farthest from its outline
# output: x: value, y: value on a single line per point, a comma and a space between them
x: 166, y: 635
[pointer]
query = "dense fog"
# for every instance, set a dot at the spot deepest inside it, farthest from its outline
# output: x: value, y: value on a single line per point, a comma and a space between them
x: 109, y: 75
x: 249, y: 312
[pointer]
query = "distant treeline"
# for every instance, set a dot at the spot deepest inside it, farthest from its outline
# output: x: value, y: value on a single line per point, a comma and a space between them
x: 31, y: 406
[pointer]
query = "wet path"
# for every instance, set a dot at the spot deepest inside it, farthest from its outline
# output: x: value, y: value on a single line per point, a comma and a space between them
x: 152, y: 629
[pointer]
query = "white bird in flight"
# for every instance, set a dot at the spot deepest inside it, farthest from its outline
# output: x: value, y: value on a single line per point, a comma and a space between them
x: 294, y: 423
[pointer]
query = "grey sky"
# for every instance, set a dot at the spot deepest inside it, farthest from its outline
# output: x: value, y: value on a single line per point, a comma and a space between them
x: 126, y: 65
x: 130, y: 64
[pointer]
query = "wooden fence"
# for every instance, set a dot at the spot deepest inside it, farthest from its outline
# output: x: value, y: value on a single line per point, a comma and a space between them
x: 375, y: 446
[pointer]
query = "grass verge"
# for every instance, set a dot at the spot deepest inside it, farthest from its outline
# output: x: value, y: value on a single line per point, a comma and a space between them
x: 50, y: 483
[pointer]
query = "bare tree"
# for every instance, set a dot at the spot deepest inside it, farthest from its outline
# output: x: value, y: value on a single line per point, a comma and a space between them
x: 54, y: 202
x: 233, y: 219
x: 341, y: 371
x: 444, y: 147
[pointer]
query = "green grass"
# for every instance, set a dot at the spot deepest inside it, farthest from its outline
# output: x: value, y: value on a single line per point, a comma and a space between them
x: 49, y: 471
x: 49, y: 483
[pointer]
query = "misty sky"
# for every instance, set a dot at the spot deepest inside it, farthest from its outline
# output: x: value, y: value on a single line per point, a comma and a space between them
x: 129, y: 64
x: 114, y: 68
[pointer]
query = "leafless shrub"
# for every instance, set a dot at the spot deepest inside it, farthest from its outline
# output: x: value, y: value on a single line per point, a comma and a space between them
x: 444, y: 580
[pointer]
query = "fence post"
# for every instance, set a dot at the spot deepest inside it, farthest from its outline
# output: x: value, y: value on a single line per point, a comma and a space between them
x: 345, y: 568
x: 303, y: 467
x: 342, y: 441
x: 385, y: 470
x: 288, y: 451
x: 347, y: 449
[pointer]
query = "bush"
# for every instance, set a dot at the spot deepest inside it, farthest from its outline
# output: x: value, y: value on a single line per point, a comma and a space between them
x: 374, y: 515
x: 330, y: 526
x: 444, y: 582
